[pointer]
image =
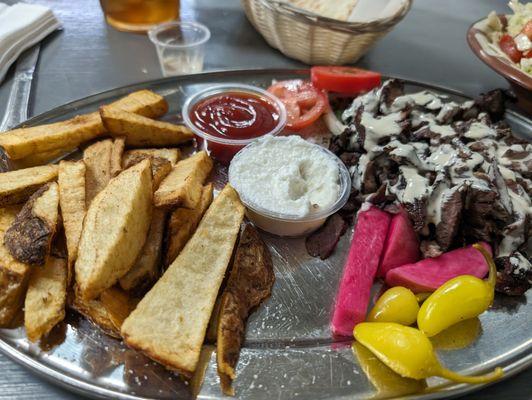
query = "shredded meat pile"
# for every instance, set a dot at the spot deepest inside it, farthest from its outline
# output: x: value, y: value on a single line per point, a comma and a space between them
x: 456, y: 168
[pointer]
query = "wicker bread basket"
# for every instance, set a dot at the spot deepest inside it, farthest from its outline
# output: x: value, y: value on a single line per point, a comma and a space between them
x: 313, y: 39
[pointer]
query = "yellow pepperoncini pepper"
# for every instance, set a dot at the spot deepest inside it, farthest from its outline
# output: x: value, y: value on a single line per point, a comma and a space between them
x: 397, y: 304
x: 458, y: 299
x: 409, y: 352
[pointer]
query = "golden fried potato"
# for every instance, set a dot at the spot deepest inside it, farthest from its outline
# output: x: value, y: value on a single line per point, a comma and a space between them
x: 102, y: 159
x: 44, y: 306
x: 114, y: 230
x: 14, y: 275
x: 183, y: 185
x: 182, y: 223
x: 69, y: 134
x: 160, y: 167
x: 38, y: 159
x: 29, y: 238
x: 169, y: 323
x: 118, y: 305
x: 146, y: 269
x: 17, y: 186
x: 71, y: 182
x: 170, y: 154
x: 140, y: 131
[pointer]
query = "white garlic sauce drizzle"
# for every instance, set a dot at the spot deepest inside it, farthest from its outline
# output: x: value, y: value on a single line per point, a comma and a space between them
x: 454, y: 164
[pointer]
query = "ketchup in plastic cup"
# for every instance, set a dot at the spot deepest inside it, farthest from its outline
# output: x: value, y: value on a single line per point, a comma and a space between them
x: 228, y: 117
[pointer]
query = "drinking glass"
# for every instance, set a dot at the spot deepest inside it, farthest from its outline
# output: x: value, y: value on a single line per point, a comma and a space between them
x: 139, y: 15
x: 180, y: 46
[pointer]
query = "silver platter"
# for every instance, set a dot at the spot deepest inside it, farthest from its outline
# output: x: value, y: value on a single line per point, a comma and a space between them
x: 288, y: 351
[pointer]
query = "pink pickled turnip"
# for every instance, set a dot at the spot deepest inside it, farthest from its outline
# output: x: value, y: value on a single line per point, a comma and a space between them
x: 429, y: 274
x: 359, y: 271
x: 401, y: 246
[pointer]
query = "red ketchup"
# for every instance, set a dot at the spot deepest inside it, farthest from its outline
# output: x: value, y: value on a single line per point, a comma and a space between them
x: 233, y: 116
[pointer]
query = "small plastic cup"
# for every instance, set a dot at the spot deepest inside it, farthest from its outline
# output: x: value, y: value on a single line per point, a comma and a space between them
x: 224, y: 149
x: 180, y: 46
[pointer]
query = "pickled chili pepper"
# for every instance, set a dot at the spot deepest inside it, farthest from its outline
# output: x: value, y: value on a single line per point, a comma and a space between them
x: 409, y: 352
x: 421, y: 297
x: 458, y: 299
x: 397, y: 304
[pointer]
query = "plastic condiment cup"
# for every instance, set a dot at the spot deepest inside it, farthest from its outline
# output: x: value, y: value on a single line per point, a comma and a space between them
x: 224, y: 149
x: 180, y: 46
x: 293, y: 225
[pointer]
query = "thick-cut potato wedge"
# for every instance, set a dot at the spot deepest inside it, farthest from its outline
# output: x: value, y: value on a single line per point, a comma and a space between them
x: 171, y: 155
x: 142, y: 102
x: 29, y: 238
x: 249, y: 284
x: 13, y: 274
x: 182, y: 223
x: 114, y: 230
x: 71, y: 180
x: 69, y: 134
x: 183, y: 185
x: 146, y: 269
x: 118, y: 305
x: 17, y: 186
x: 102, y: 159
x: 38, y: 159
x: 65, y: 135
x: 46, y: 298
x: 94, y: 311
x: 169, y: 323
x: 160, y: 167
x: 140, y: 131
x: 115, y: 163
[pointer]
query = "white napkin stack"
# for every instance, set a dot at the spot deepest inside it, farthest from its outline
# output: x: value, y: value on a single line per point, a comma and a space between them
x: 371, y: 10
x: 22, y: 26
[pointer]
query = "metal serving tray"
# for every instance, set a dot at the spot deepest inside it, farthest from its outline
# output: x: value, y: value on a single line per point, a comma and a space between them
x: 288, y: 351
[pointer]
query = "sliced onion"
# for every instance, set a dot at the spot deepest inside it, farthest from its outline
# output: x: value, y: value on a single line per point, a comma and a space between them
x: 333, y: 124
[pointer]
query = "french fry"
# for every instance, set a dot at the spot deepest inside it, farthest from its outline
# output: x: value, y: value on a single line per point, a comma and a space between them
x: 145, y: 271
x: 140, y: 131
x: 169, y: 323
x: 183, y: 185
x: 171, y: 155
x: 94, y: 311
x: 65, y: 135
x: 38, y: 159
x: 71, y: 180
x: 114, y: 230
x: 102, y: 159
x: 44, y: 306
x: 117, y: 152
x: 29, y: 238
x: 14, y: 275
x: 69, y: 134
x: 118, y: 305
x: 182, y: 223
x: 17, y: 186
x: 160, y: 167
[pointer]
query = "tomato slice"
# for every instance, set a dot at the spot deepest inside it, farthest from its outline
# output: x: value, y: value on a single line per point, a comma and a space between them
x: 344, y: 79
x: 303, y: 102
x: 507, y: 44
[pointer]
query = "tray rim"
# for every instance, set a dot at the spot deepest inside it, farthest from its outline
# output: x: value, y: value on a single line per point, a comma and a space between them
x: 514, y: 366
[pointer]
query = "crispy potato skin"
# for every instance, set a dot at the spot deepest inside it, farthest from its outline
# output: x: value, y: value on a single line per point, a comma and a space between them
x: 17, y: 186
x: 170, y: 154
x: 114, y: 230
x: 117, y: 151
x: 169, y: 323
x: 44, y: 306
x: 140, y: 131
x: 146, y: 271
x: 183, y: 185
x: 29, y: 238
x: 14, y: 275
x: 249, y: 284
x: 160, y: 167
x: 183, y: 222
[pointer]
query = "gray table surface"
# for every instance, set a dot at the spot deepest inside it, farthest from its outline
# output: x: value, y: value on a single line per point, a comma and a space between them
x: 88, y: 57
